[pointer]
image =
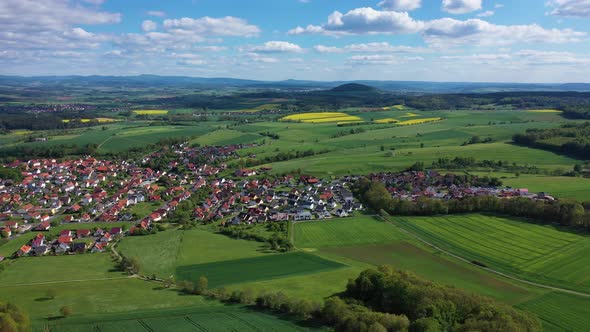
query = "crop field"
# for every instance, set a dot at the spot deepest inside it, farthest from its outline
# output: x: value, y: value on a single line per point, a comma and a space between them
x: 258, y: 268
x: 150, y: 112
x: 162, y: 253
x: 418, y: 121
x: 535, y: 252
x: 321, y: 117
x: 349, y: 231
x: 560, y: 312
x: 386, y: 120
x: 199, y: 318
x: 100, y: 120
x: 410, y: 115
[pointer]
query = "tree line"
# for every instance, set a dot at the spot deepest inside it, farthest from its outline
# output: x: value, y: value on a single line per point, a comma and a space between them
x: 567, y: 213
x: 570, y: 139
x: 385, y: 299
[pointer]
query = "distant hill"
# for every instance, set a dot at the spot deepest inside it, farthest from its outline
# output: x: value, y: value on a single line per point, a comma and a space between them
x: 354, y: 87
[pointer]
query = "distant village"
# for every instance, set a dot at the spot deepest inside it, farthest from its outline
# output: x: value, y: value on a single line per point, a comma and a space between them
x: 99, y: 193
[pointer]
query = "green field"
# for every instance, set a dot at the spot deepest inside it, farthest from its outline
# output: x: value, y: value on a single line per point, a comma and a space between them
x: 560, y: 312
x: 339, y: 232
x: 209, y: 316
x: 558, y: 186
x: 258, y: 268
x: 162, y: 253
x: 535, y: 252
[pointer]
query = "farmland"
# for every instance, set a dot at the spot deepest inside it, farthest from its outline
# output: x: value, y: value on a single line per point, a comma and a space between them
x: 321, y: 117
x: 150, y: 112
x: 538, y: 253
x: 204, y: 317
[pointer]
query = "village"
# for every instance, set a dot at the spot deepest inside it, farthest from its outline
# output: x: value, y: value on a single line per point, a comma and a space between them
x: 102, y: 193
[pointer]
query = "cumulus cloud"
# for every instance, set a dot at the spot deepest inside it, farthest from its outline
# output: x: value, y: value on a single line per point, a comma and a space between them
x: 275, y: 47
x: 149, y: 25
x: 522, y: 58
x: 487, y: 13
x: 156, y: 13
x: 400, y: 5
x: 461, y: 6
x: 448, y: 31
x: 364, y: 21
x: 570, y: 8
x: 377, y: 47
x: 209, y: 26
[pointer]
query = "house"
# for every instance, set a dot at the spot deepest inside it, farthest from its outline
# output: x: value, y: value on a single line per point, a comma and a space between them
x: 62, y: 248
x: 38, y: 241
x: 116, y: 230
x: 81, y: 233
x: 302, y: 215
x: 107, y: 237
x: 98, y: 232
x: 65, y: 239
x: 245, y: 172
x: 98, y: 247
x: 11, y: 224
x: 79, y: 247
x: 44, y: 218
x: 341, y: 213
x: 44, y: 226
x: 65, y: 232
x: 41, y: 250
x: 24, y: 250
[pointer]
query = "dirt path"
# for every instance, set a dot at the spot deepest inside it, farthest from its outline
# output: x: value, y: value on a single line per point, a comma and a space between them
x: 434, y: 246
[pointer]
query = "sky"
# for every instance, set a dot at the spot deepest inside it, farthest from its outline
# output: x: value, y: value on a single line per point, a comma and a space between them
x: 418, y: 40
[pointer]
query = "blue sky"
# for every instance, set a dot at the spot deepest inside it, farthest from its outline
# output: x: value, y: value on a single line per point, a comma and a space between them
x: 429, y: 40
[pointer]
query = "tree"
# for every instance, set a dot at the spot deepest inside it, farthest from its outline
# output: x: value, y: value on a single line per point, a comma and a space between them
x: 201, y: 286
x: 13, y: 319
x: 168, y: 282
x: 66, y: 311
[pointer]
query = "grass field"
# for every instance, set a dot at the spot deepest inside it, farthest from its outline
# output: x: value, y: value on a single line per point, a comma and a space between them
x: 162, y: 253
x: 213, y: 317
x: 339, y: 232
x: 257, y: 268
x: 535, y: 252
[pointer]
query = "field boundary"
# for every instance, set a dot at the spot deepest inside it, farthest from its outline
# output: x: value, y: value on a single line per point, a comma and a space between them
x: 434, y: 246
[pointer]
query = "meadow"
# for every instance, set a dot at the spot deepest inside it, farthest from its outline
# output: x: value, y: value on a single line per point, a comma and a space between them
x: 537, y: 253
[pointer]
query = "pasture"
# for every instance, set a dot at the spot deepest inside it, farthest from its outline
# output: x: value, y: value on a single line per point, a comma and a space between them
x: 538, y: 253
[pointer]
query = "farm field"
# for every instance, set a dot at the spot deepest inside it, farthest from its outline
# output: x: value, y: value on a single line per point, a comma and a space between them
x: 534, y: 252
x: 560, y: 312
x: 150, y: 112
x: 258, y: 268
x: 321, y: 117
x: 162, y: 253
x: 212, y: 317
x: 348, y: 231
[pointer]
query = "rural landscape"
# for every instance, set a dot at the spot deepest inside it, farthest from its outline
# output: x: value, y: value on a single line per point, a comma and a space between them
x: 397, y: 183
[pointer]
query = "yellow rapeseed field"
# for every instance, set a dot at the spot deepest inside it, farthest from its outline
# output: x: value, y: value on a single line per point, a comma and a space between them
x: 101, y: 120
x: 321, y: 117
x: 151, y: 112
x: 418, y: 121
x: 410, y: 115
x: 387, y: 120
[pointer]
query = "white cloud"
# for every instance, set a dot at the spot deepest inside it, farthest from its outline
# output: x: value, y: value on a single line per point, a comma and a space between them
x: 487, y: 13
x: 377, y: 47
x: 255, y: 57
x: 364, y: 21
x: 400, y: 5
x: 378, y: 59
x: 156, y: 13
x: 275, y: 47
x: 461, y: 6
x: 149, y: 25
x: 523, y: 58
x: 448, y: 31
x: 209, y: 26
x: 570, y: 8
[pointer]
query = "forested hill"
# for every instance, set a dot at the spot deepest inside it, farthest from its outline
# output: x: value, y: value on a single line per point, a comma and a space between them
x: 570, y: 139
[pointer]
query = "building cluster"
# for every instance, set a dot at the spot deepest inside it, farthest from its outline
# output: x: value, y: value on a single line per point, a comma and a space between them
x: 412, y: 185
